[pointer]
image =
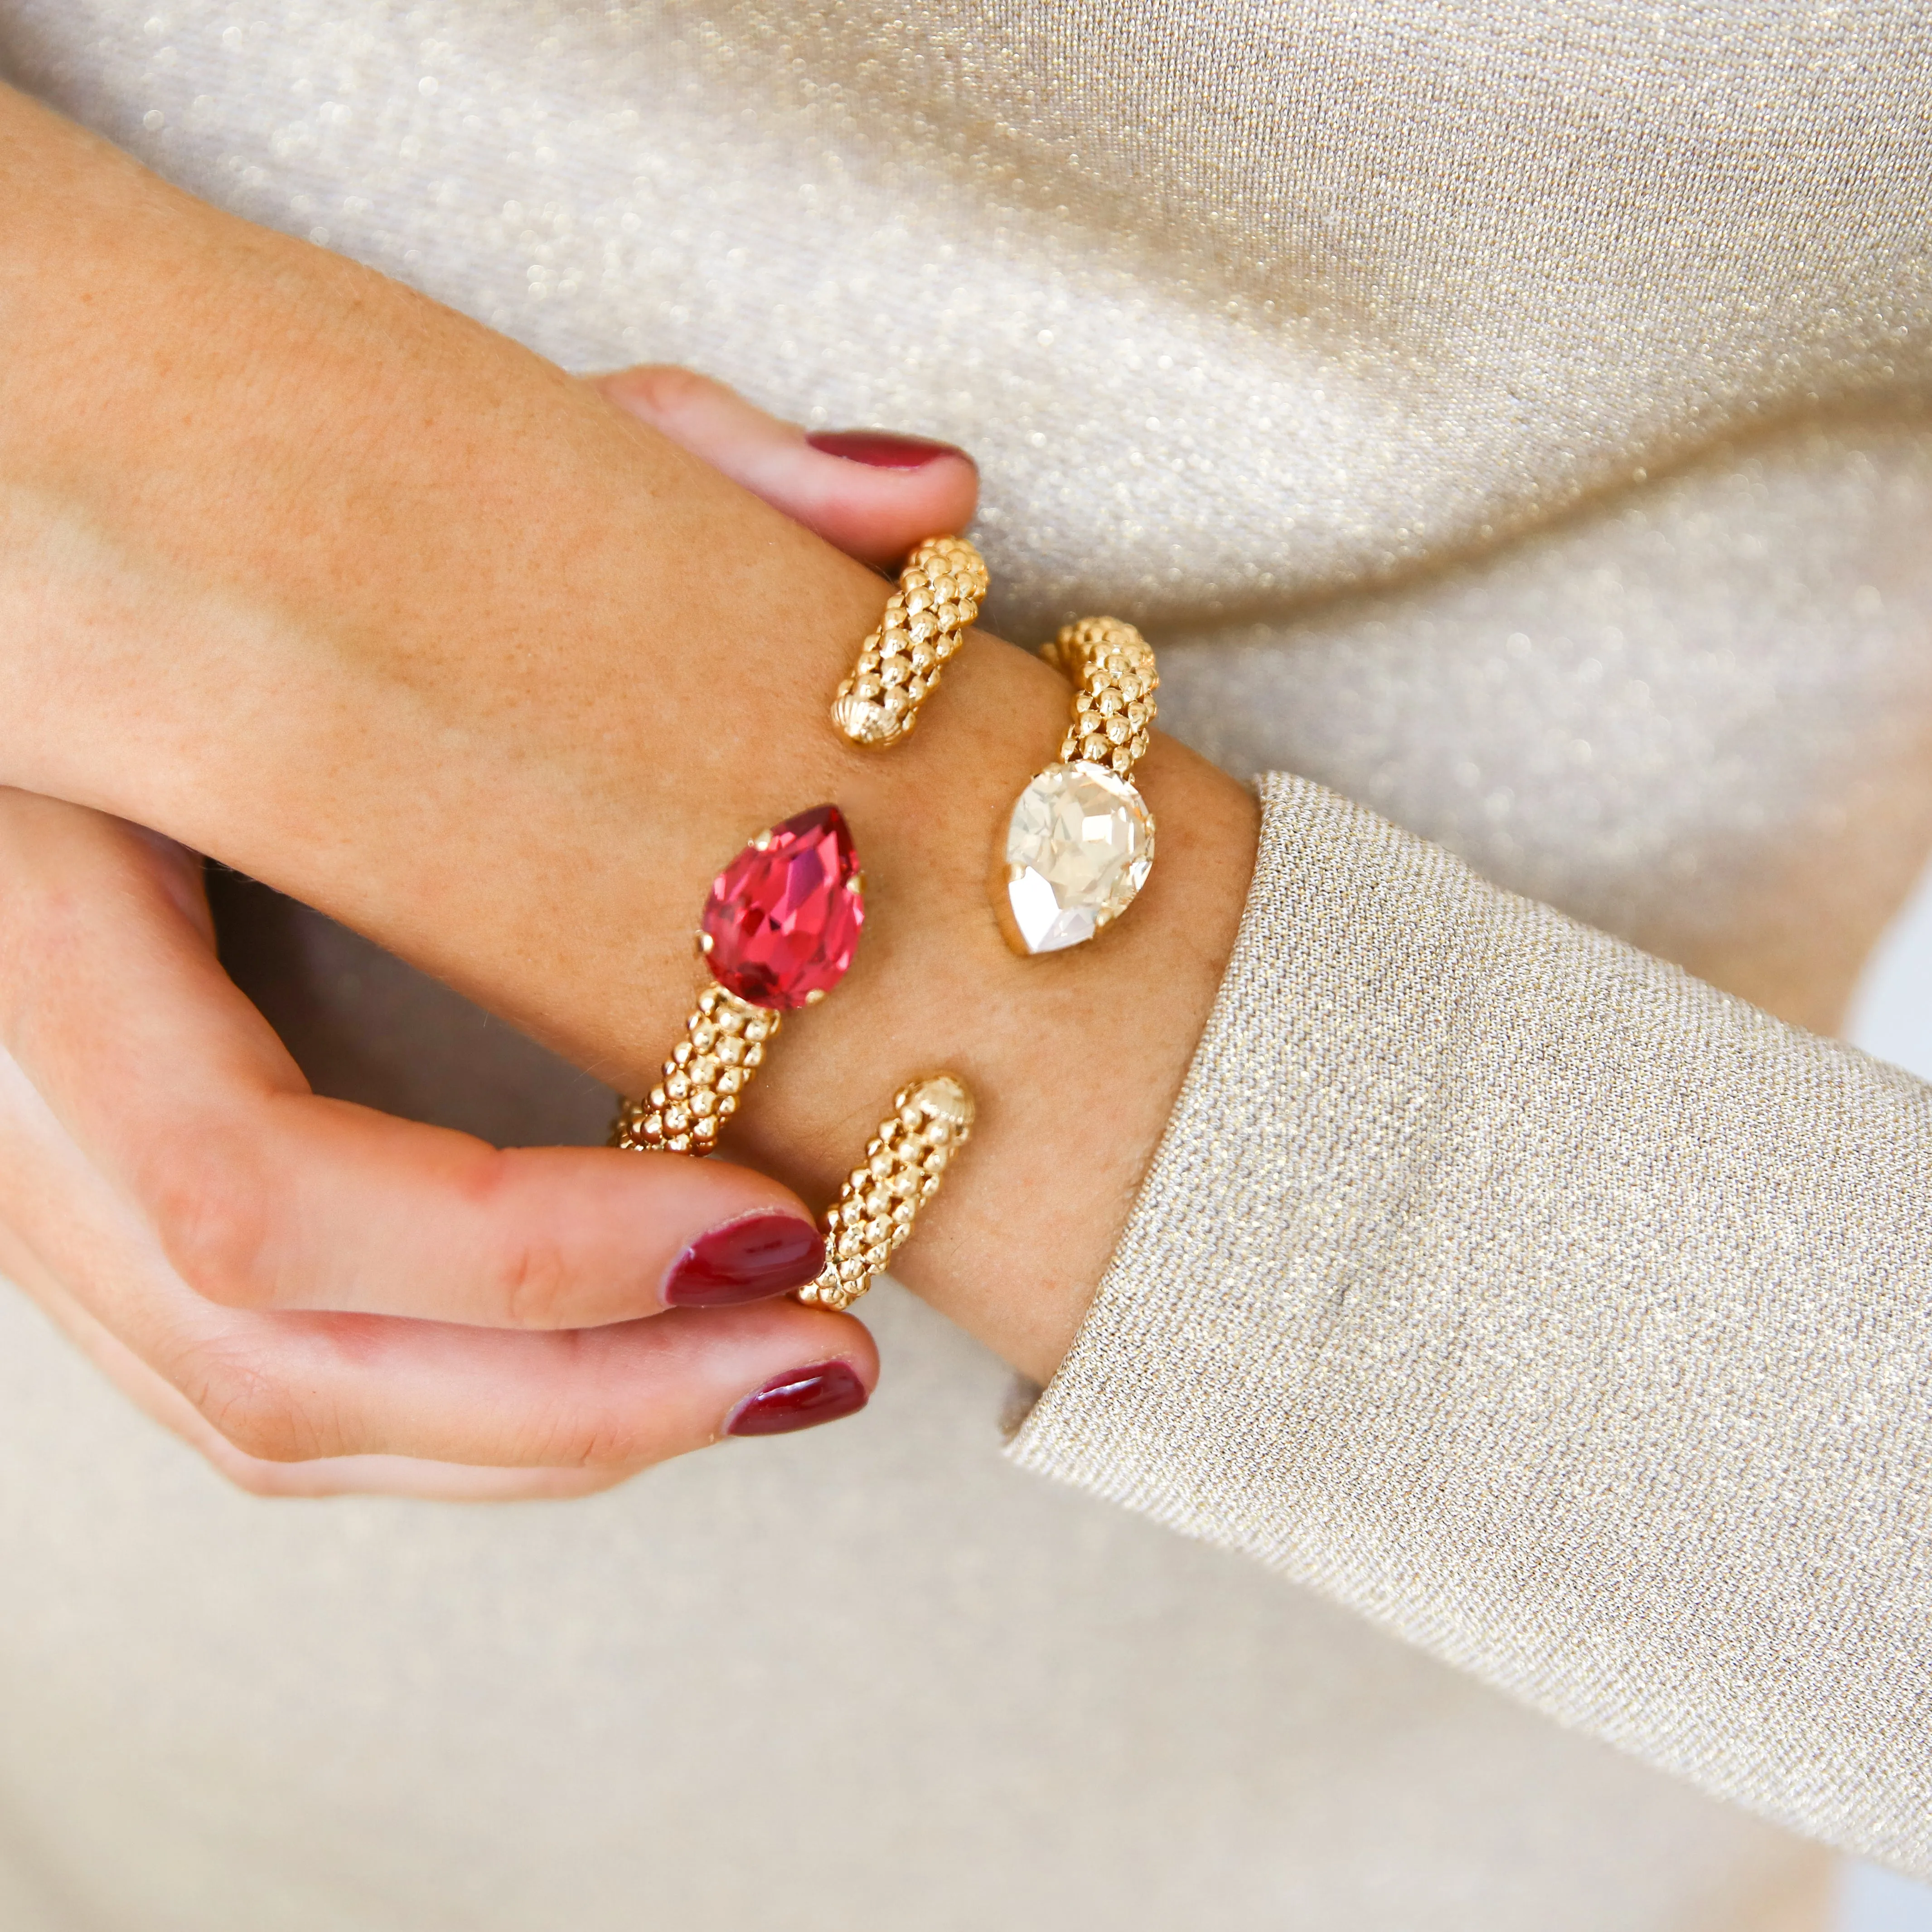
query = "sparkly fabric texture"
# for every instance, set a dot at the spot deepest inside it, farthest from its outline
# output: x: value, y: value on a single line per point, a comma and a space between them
x: 1506, y: 414
x: 1699, y: 716
x: 1234, y: 305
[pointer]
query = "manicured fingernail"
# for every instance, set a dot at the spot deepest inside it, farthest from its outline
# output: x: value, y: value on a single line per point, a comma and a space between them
x: 881, y: 449
x: 750, y: 1259
x: 801, y: 1400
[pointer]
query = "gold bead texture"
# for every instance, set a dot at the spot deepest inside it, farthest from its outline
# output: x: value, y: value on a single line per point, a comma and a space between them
x: 704, y: 1077
x: 1112, y: 666
x: 932, y: 1120
x: 940, y: 593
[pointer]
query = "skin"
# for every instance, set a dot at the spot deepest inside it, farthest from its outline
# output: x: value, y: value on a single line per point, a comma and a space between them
x: 301, y: 570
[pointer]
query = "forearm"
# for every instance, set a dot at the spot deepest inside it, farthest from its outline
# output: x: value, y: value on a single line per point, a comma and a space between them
x: 277, y: 529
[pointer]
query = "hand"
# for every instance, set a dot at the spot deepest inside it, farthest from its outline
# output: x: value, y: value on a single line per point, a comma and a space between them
x: 361, y: 598
x: 266, y: 1272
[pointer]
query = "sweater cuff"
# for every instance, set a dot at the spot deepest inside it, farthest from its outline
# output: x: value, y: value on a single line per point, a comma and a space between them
x: 1553, y: 1309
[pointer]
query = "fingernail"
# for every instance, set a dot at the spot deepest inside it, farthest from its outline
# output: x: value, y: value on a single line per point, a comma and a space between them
x: 881, y: 449
x: 802, y: 1398
x: 750, y: 1259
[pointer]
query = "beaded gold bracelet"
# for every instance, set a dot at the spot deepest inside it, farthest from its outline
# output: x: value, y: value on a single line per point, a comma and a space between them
x: 778, y: 932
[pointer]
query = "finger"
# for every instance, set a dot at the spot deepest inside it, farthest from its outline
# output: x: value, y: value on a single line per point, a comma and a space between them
x: 326, y: 1476
x: 873, y: 493
x: 292, y: 1388
x: 264, y: 1195
x: 295, y: 1388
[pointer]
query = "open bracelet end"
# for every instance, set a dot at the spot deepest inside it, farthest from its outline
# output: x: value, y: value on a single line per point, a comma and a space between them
x: 932, y: 1120
x: 940, y: 592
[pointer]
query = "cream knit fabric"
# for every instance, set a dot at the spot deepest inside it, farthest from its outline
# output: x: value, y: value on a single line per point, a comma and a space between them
x: 1554, y: 1310
x: 1508, y: 414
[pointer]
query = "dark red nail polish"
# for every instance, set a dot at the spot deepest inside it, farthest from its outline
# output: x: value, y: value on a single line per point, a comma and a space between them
x: 881, y: 449
x: 801, y: 1399
x: 747, y: 1260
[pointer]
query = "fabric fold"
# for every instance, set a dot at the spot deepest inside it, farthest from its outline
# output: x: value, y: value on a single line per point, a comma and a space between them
x: 1563, y: 1315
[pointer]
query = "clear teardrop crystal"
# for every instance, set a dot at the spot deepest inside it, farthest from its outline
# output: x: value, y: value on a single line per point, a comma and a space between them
x: 1079, y: 846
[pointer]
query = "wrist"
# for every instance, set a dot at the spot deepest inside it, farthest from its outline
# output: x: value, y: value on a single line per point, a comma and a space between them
x: 1076, y: 1058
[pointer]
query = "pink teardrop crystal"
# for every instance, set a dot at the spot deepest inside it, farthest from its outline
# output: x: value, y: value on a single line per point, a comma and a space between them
x: 783, y: 922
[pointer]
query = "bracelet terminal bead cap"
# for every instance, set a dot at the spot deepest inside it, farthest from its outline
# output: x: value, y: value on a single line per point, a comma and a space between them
x: 940, y: 593
x: 1079, y: 843
x: 932, y: 1120
x: 780, y: 927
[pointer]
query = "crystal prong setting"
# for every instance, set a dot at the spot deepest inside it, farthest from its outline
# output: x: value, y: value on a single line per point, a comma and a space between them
x: 1075, y: 851
x: 781, y: 925
x: 1079, y: 843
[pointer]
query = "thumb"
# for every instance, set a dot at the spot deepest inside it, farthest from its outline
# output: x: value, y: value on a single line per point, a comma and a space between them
x: 872, y: 493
